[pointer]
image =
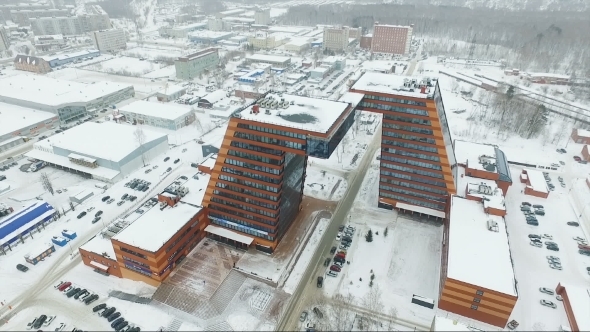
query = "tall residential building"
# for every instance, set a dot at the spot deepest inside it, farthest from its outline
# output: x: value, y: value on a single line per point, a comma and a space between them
x: 336, y: 39
x: 4, y: 40
x: 110, y: 40
x: 190, y: 66
x: 262, y: 16
x: 392, y: 39
x: 92, y: 18
x: 22, y: 16
x: 418, y: 166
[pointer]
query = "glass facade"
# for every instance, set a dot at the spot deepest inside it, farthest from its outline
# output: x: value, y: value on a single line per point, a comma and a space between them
x: 292, y: 190
x: 440, y: 108
x: 322, y: 148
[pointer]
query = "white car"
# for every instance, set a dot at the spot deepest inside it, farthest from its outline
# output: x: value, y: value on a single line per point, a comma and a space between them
x: 57, y: 286
x: 577, y: 238
x: 30, y: 325
x: 546, y: 290
x: 583, y: 243
x: 556, y: 267
x: 536, y: 244
x: 559, y: 298
x: 547, y: 236
x: 548, y: 304
x: 332, y: 274
x: 90, y: 209
x: 49, y: 320
x: 338, y: 236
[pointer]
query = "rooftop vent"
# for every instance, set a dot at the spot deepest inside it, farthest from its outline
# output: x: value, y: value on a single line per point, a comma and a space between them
x: 492, y: 226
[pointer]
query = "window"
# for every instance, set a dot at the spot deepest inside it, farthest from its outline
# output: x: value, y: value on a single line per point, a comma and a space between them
x: 476, y: 299
x: 474, y: 307
x: 479, y: 292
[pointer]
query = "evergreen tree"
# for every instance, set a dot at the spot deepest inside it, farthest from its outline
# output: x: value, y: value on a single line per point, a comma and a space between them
x: 510, y: 92
x: 369, y: 236
x: 385, y: 232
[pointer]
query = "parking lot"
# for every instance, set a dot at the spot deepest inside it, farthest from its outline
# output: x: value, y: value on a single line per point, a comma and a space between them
x: 531, y: 264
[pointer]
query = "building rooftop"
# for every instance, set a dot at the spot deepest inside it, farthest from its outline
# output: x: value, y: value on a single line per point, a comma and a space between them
x: 101, y: 172
x: 83, y: 139
x: 268, y: 58
x: 197, y: 185
x: 476, y: 156
x: 48, y: 37
x: 537, y: 180
x: 583, y: 132
x: 168, y: 111
x: 289, y: 29
x: 65, y: 56
x: 156, y: 227
x: 238, y: 19
x: 198, y: 54
x: 44, y: 90
x: 448, y: 325
x: 14, y: 118
x: 394, y: 84
x: 89, y: 9
x: 487, y: 190
x: 392, y: 26
x: 379, y: 65
x: 210, y: 34
x: 579, y: 300
x: 311, y: 114
x: 352, y: 98
x: 172, y: 89
x: 478, y: 256
x: 100, y: 245
x: 299, y: 41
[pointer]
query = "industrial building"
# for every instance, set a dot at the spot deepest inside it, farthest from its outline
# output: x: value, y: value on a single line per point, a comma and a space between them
x: 109, y: 158
x: 4, y: 39
x: 181, y: 31
x: 168, y: 116
x: 262, y: 16
x: 337, y: 39
x: 32, y: 64
x: 192, y: 65
x: 65, y: 58
x: 171, y: 92
x: 110, y: 40
x: 391, y: 39
x: 534, y: 183
x: 49, y: 42
x: 576, y: 301
x: 273, y: 60
x: 67, y: 99
x: 39, y: 252
x: 18, y: 224
x: 418, y: 166
x: 298, y: 45
x: 477, y: 276
x: 18, y: 122
x: 267, y: 41
x: 208, y: 37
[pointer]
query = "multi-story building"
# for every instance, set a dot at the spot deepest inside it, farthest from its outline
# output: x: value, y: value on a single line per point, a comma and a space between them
x: 262, y: 16
x: 267, y: 41
x: 32, y: 64
x: 92, y: 18
x: 418, y: 167
x: 110, y: 40
x: 5, y: 9
x: 4, y: 40
x: 216, y: 24
x: 392, y: 39
x: 190, y: 66
x: 256, y: 185
x: 46, y: 43
x: 168, y: 116
x: 336, y: 39
x: 22, y: 16
x: 366, y: 41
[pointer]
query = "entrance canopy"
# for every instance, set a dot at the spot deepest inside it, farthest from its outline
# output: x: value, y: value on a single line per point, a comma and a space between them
x: 421, y: 209
x: 226, y: 233
x: 99, y: 266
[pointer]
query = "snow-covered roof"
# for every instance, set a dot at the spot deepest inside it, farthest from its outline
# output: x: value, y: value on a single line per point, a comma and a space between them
x: 320, y: 70
x: 478, y: 256
x: 232, y: 11
x: 156, y: 227
x: 488, y: 190
x: 299, y: 41
x: 448, y: 325
x: 238, y: 19
x: 352, y: 97
x: 583, y: 133
x: 290, y: 29
x: 311, y: 114
x: 210, y: 34
x: 45, y: 90
x: 390, y: 84
x: 89, y: 139
x: 215, y: 96
x: 268, y: 58
x: 226, y: 233
x: 392, y: 26
x: 172, y: 89
x: 38, y: 248
x: 168, y: 111
x: 100, y: 245
x: 101, y: 172
x: 196, y: 188
x: 548, y: 75
x: 14, y: 118
x: 579, y: 300
x: 378, y: 65
x: 537, y: 180
x: 472, y: 154
x: 64, y: 56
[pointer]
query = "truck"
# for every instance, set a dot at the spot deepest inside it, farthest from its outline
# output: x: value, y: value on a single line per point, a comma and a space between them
x: 37, y: 166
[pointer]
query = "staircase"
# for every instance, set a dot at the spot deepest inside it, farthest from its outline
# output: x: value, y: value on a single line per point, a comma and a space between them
x: 174, y: 325
x: 223, y: 326
x: 227, y: 290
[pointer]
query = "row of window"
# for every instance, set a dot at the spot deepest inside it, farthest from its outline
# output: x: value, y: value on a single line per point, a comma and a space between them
x: 138, y: 269
x: 399, y: 118
x: 136, y: 262
x: 241, y: 222
x: 414, y: 178
x: 414, y: 186
x: 408, y: 128
x: 411, y: 146
x: 396, y: 100
x: 412, y: 193
x: 241, y: 214
x: 181, y: 236
x: 412, y: 162
x: 129, y: 251
x: 246, y: 200
x: 272, y: 131
x: 248, y: 192
x: 390, y: 108
x: 248, y: 183
x: 269, y: 140
x: 253, y: 166
x: 242, y: 229
x: 254, y: 157
x: 412, y: 170
x: 244, y: 207
x: 251, y: 175
x: 256, y: 148
x: 408, y: 153
x: 413, y: 201
x: 409, y: 137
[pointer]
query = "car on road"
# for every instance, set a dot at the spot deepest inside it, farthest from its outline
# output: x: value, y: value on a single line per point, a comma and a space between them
x: 548, y: 304
x: 81, y: 215
x: 333, y: 250
x: 166, y: 159
x: 327, y: 262
x: 304, y: 314
x: 573, y: 223
x: 320, y: 282
x: 21, y: 268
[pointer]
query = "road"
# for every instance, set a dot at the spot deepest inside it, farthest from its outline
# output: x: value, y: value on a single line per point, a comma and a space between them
x: 307, y: 285
x: 414, y: 61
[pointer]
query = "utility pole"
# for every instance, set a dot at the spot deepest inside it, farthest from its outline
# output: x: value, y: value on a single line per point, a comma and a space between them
x: 471, y: 52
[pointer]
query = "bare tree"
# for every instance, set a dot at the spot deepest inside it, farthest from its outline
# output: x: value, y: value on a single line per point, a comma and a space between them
x: 372, y: 301
x: 46, y: 183
x: 391, y: 319
x: 340, y: 315
x: 140, y: 139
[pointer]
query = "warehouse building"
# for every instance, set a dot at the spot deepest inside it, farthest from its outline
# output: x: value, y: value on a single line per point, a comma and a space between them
x: 31, y: 63
x: 39, y: 252
x: 298, y: 45
x: 62, y: 59
x: 85, y: 150
x: 67, y: 99
x: 49, y: 42
x: 19, y: 224
x: 168, y: 116
x: 171, y: 92
x: 192, y: 65
x: 18, y: 122
x: 273, y: 60
x: 208, y: 37
x: 181, y: 31
x: 484, y: 161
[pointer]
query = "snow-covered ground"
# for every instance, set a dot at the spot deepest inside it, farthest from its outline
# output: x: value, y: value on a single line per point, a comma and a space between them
x: 153, y: 52
x: 322, y: 185
x: 126, y: 66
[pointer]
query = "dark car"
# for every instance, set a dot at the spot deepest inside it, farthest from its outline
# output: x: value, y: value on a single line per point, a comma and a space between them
x: 327, y: 261
x: 532, y: 222
x: 114, y: 316
x: 534, y: 236
x: 176, y: 161
x: 21, y: 268
x: 121, y: 325
x: 584, y: 252
x: 80, y: 293
x: 91, y: 299
x: 167, y: 158
x: 333, y: 250
x: 553, y: 248
x: 98, y: 214
x: 117, y: 321
x: 320, y: 282
x: 73, y: 292
x: 106, y: 198
x: 99, y: 307
x: 124, y: 196
x: 108, y: 312
x: 81, y: 215
x: 168, y: 169
x: 347, y: 239
x: 132, y: 198
x: 540, y: 212
x: 95, y: 220
x: 573, y: 223
x: 39, y: 321
x: 340, y: 228
x: 145, y: 188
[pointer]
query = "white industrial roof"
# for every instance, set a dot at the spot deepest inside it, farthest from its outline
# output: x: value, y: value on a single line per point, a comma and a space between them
x: 317, y: 115
x: 288, y: 28
x: 478, y: 256
x: 172, y: 89
x: 448, y: 325
x: 168, y: 111
x: 378, y: 65
x: 156, y: 227
x: 68, y: 55
x: 537, y: 180
x: 583, y: 132
x: 352, y: 97
x: 477, y: 188
x: 469, y: 153
x: 210, y: 34
x: 268, y: 58
x: 102, y: 172
x: 44, y: 90
x: 196, y: 188
x: 299, y: 41
x: 579, y: 299
x: 100, y: 245
x: 388, y: 83
x: 14, y: 118
x: 89, y: 139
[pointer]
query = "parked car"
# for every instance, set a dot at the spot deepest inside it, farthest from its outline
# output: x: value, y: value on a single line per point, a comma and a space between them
x: 540, y: 212
x: 577, y: 238
x: 338, y: 236
x: 573, y: 223
x: 114, y: 316
x: 303, y: 316
x: 21, y: 268
x: 61, y: 327
x: 31, y: 323
x: 108, y: 311
x: 548, y: 304
x: 335, y: 268
x: 547, y: 236
x: 124, y: 196
x: 534, y: 236
x: 546, y: 290
x: 91, y: 299
x: 73, y: 292
x: 333, y: 250
x: 81, y: 215
x: 585, y: 252
x: 64, y: 286
x: 553, y: 248
x: 176, y: 161
x: 58, y: 285
x: 320, y: 282
x: 168, y: 169
x: 512, y: 324
x: 555, y: 266
x: 39, y: 322
x: 166, y: 159
x: 121, y: 325
x: 532, y: 222
x: 80, y: 293
x: 120, y: 203
x: 106, y: 198
x: 536, y: 244
x: 318, y: 312
x: 49, y: 320
x: 98, y: 214
x: 117, y: 321
x: 525, y: 203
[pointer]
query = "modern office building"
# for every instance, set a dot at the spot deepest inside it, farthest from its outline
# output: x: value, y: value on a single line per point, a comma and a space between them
x: 190, y: 66
x: 109, y: 40
x: 392, y: 39
x: 4, y: 40
x: 418, y: 167
x: 256, y: 185
x: 262, y: 16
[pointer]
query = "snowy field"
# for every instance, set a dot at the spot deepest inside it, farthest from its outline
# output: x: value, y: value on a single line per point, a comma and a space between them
x: 125, y: 66
x: 168, y: 72
x: 324, y: 185
x: 153, y: 53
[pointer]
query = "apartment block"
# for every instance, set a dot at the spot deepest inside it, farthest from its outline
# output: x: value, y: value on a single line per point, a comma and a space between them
x: 4, y: 40
x: 392, y: 39
x: 267, y: 41
x: 262, y: 16
x: 110, y: 40
x: 22, y: 16
x: 336, y: 39
x: 92, y: 18
x: 418, y: 166
x: 190, y: 66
